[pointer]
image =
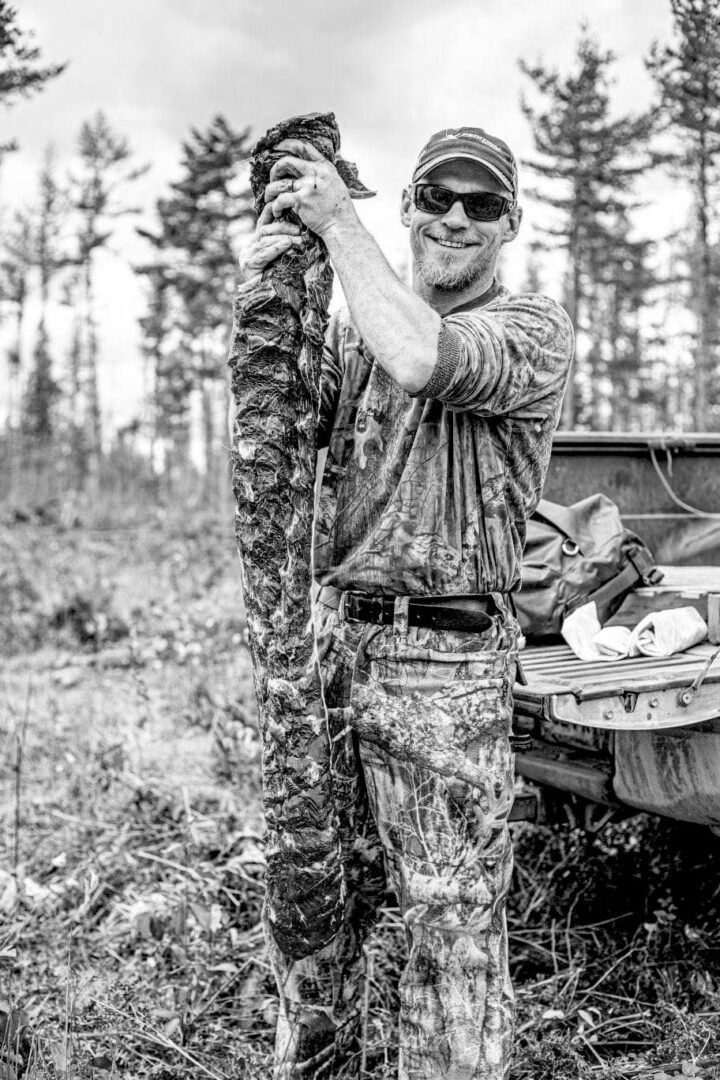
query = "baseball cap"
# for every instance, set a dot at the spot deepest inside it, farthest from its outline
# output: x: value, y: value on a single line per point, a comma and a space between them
x: 473, y: 144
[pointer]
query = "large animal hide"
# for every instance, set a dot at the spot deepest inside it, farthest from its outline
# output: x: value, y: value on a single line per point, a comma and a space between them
x: 275, y: 360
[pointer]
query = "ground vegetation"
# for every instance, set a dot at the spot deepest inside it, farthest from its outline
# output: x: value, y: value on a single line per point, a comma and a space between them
x: 132, y: 840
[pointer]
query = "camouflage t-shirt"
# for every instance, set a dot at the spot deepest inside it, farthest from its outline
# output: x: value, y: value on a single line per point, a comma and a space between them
x: 430, y: 493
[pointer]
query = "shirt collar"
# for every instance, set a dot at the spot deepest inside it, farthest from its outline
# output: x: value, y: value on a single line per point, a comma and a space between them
x: 479, y: 301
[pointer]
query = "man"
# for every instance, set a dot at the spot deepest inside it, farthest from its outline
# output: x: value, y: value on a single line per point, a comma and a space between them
x: 439, y: 405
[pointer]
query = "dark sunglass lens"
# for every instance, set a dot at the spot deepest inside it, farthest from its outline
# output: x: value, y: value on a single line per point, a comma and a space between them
x: 433, y: 199
x: 484, y: 206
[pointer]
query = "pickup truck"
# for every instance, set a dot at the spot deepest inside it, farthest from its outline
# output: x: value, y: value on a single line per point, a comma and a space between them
x: 611, y: 738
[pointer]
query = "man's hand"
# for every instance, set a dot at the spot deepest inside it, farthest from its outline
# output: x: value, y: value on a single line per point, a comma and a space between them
x: 306, y: 182
x: 400, y: 330
x: 272, y: 239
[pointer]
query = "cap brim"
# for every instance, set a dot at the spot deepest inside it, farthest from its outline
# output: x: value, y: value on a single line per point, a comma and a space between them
x: 430, y: 165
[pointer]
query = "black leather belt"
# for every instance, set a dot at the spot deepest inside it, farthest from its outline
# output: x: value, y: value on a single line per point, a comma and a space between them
x: 471, y: 612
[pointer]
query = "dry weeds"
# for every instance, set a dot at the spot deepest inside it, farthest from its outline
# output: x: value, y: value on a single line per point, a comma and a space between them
x: 131, y: 872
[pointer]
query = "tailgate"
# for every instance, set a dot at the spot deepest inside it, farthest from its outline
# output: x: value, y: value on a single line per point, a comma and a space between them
x: 639, y: 693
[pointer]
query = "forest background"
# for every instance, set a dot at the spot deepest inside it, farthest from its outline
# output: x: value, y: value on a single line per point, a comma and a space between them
x: 116, y: 285
x: 131, y: 836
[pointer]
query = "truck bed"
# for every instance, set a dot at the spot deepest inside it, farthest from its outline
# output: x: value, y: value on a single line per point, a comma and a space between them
x: 639, y: 693
x: 640, y: 732
x: 637, y: 733
x: 634, y: 693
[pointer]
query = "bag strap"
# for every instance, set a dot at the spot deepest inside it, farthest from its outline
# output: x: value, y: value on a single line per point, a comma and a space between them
x: 639, y: 567
x: 621, y: 583
x: 645, y: 565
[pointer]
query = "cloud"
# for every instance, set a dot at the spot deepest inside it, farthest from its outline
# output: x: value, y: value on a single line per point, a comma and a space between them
x: 393, y: 71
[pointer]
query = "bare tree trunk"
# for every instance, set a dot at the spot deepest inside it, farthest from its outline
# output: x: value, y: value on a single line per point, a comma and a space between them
x: 14, y: 370
x: 150, y: 397
x: 210, y: 483
x: 89, y: 381
x: 703, y: 364
x: 569, y: 406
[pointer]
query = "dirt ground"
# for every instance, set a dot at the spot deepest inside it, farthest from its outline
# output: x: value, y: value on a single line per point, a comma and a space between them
x: 131, y: 861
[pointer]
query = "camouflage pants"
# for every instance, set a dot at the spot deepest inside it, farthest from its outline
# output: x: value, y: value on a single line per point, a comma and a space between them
x: 423, y: 775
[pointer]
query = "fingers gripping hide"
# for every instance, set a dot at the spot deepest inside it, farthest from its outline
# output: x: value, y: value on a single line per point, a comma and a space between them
x: 272, y: 238
x: 288, y: 167
x: 279, y: 187
x: 300, y: 149
x: 287, y: 201
x: 265, y: 217
x: 316, y: 187
x: 279, y: 228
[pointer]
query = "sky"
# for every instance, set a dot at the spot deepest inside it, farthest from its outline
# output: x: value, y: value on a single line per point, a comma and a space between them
x: 392, y: 71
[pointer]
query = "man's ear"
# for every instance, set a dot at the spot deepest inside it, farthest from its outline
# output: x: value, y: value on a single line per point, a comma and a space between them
x: 406, y: 207
x: 513, y: 224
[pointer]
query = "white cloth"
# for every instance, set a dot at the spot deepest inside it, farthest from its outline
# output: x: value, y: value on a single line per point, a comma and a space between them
x: 661, y: 633
x: 589, y: 641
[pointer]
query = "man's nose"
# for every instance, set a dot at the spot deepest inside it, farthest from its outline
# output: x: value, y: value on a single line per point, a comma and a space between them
x: 455, y: 217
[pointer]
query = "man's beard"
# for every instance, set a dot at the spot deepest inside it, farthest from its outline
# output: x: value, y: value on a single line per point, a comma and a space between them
x: 440, y: 271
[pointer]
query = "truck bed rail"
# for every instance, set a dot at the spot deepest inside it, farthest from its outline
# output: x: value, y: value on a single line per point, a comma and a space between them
x: 639, y: 693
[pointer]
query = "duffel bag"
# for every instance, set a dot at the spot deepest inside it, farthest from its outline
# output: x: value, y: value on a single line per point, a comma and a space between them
x: 575, y: 554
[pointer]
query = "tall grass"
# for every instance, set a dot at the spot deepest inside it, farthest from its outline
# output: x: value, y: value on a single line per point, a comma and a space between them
x: 132, y: 861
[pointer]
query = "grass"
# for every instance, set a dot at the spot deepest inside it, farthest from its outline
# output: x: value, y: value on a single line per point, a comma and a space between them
x: 131, y: 872
x: 614, y: 945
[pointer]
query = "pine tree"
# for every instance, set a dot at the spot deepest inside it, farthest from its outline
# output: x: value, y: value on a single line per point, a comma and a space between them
x: 628, y: 288
x: 589, y: 162
x: 49, y: 257
x: 687, y: 75
x: 171, y: 380
x: 21, y: 73
x: 15, y: 268
x: 211, y: 203
x: 195, y: 253
x: 171, y: 371
x: 174, y: 385
x: 533, y: 271
x: 106, y: 169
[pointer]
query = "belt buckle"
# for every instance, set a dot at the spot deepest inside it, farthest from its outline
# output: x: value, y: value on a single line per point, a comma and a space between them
x: 374, y: 607
x: 349, y: 603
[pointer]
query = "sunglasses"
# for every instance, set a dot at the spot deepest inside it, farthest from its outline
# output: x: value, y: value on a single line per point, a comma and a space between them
x: 478, y: 205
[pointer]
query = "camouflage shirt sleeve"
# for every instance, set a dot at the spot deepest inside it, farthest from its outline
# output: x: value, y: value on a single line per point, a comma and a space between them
x: 331, y: 376
x: 514, y: 354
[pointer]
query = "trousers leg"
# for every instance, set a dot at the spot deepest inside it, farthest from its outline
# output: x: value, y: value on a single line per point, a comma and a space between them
x: 321, y: 995
x: 435, y: 749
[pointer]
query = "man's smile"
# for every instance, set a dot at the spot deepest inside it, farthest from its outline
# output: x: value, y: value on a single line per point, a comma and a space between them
x: 451, y: 243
